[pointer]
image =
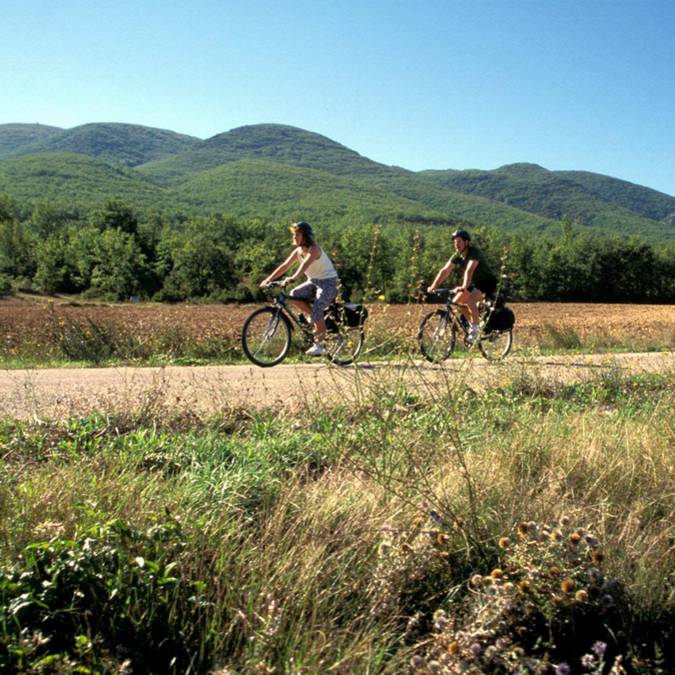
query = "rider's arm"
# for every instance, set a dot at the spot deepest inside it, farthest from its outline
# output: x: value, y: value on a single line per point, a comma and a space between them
x: 314, y: 254
x: 286, y: 265
x: 468, y: 272
x: 441, y: 276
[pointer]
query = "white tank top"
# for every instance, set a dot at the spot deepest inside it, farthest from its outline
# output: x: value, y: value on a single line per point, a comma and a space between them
x: 321, y: 268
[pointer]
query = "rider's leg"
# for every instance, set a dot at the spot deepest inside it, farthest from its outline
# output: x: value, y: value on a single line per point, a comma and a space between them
x: 301, y: 297
x: 325, y: 294
x: 474, y: 298
x: 462, y: 299
x: 319, y: 330
x: 304, y: 307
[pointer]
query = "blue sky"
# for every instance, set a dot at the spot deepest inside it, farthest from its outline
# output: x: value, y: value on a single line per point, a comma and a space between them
x: 575, y: 84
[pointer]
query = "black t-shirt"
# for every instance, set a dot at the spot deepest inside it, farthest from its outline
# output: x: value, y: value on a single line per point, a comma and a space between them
x: 482, y: 273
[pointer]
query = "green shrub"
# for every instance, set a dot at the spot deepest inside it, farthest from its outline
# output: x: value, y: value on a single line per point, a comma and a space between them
x: 113, y: 598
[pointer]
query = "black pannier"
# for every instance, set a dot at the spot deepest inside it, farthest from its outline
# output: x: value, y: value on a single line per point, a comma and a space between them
x: 348, y: 314
x: 501, y: 318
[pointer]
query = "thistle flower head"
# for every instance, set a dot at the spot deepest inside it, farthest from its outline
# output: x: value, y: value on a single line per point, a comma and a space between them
x: 567, y: 585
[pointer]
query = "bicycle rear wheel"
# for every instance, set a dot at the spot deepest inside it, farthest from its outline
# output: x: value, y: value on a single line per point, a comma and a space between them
x: 344, y: 346
x: 266, y: 337
x: 437, y: 335
x: 496, y: 344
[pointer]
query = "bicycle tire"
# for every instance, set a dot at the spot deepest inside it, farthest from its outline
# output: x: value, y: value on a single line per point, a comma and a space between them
x: 266, y: 337
x: 344, y: 346
x: 437, y: 335
x: 496, y: 344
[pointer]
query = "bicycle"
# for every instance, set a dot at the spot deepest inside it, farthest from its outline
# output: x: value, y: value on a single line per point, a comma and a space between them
x: 266, y: 334
x: 440, y: 329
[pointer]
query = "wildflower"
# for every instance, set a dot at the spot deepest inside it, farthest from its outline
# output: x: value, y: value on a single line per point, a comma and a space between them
x: 556, y: 535
x: 567, y: 585
x: 504, y: 542
x: 591, y: 540
x: 417, y: 522
x: 417, y: 662
x: 496, y: 573
x: 435, y: 516
x: 441, y: 538
x: 595, y: 575
x: 453, y: 648
x: 476, y: 580
x: 588, y: 661
x: 599, y: 648
x: 562, y: 669
x: 575, y: 538
x: 524, y: 586
x: 581, y: 596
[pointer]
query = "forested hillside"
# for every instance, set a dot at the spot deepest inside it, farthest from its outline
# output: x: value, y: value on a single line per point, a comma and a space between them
x: 127, y: 144
x: 13, y: 137
x: 272, y: 171
x: 591, y: 199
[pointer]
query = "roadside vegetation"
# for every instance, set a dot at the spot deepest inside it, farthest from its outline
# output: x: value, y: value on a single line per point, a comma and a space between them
x: 527, y: 528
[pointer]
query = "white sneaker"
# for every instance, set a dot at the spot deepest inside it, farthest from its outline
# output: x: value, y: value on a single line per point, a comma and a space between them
x: 317, y: 349
x: 472, y: 336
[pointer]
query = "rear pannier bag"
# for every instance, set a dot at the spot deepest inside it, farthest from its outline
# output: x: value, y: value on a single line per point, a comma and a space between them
x: 501, y: 318
x: 348, y: 314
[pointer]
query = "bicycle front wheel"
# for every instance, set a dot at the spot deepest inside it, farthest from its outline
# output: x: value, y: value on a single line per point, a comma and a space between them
x: 437, y: 336
x: 266, y: 337
x: 496, y: 344
x: 344, y: 346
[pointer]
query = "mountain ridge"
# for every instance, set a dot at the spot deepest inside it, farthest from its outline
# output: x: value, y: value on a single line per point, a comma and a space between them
x: 174, y: 168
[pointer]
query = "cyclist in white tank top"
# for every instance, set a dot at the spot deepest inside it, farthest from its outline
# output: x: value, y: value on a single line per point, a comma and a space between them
x: 322, y: 281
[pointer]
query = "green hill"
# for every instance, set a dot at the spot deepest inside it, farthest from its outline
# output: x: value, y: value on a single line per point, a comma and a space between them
x: 265, y: 188
x: 275, y: 142
x: 642, y: 200
x: 268, y: 170
x: 13, y: 137
x: 126, y: 144
x: 75, y: 180
x: 554, y: 195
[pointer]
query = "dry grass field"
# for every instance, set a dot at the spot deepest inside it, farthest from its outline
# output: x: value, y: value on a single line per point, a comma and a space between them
x: 38, y: 328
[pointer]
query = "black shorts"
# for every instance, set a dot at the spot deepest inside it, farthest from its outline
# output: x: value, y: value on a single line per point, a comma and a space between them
x: 485, y: 286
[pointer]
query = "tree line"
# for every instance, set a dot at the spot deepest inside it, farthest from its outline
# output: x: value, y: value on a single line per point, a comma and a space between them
x: 115, y: 252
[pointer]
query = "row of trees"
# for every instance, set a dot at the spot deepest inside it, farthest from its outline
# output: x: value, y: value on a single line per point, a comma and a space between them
x: 117, y: 253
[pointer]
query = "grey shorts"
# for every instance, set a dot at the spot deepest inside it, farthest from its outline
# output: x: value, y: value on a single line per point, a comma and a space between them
x: 320, y: 292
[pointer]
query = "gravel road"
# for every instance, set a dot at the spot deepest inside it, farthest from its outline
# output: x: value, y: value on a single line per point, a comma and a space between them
x: 63, y: 393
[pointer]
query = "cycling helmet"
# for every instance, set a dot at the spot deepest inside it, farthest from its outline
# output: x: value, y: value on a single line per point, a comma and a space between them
x: 462, y: 234
x: 303, y: 227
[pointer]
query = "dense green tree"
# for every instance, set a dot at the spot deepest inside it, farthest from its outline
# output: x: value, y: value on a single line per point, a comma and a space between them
x: 115, y: 214
x: 119, y: 265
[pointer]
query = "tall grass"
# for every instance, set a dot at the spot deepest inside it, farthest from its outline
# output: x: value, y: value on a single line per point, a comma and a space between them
x: 344, y: 539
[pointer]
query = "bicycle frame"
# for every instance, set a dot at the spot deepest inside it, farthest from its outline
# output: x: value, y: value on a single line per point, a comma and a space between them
x: 280, y: 303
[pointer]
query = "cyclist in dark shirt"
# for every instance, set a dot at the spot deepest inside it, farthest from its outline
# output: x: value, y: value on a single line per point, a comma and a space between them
x: 478, y: 279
